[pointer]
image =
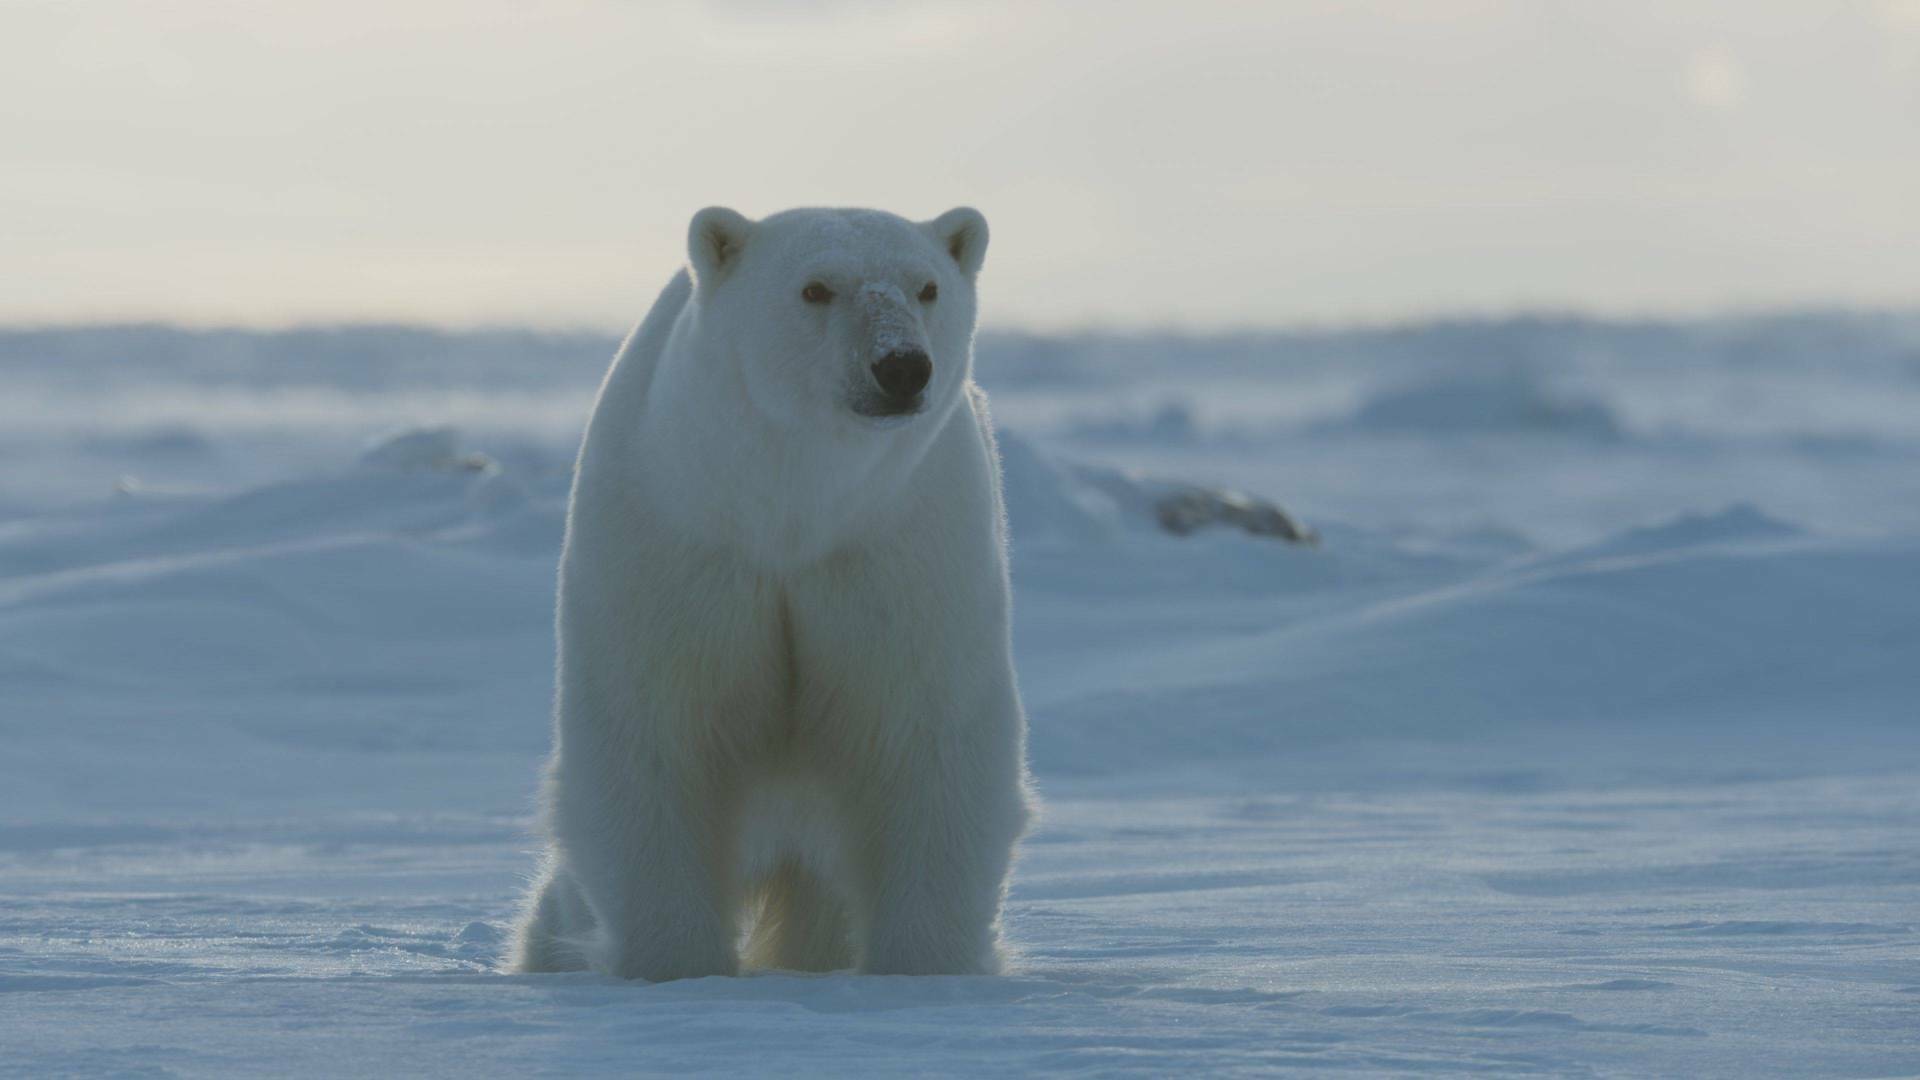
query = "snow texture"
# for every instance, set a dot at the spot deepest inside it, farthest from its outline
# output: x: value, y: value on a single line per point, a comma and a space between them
x: 1560, y: 754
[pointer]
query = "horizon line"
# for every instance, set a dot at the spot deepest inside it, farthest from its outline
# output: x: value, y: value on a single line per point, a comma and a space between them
x: 1331, y: 325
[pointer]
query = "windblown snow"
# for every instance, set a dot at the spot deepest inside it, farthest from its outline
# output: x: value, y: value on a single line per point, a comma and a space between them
x: 1584, y: 741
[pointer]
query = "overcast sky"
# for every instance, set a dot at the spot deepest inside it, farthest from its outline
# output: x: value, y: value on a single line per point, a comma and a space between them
x: 1194, y: 164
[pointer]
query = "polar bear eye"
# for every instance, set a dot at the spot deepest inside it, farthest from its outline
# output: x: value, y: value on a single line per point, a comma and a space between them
x: 929, y: 294
x: 816, y: 293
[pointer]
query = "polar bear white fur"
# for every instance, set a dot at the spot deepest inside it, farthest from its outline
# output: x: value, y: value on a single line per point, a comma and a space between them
x: 787, y: 733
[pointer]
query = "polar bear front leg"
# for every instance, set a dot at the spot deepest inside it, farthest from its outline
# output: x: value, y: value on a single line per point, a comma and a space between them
x: 948, y: 815
x: 908, y: 709
x: 641, y: 842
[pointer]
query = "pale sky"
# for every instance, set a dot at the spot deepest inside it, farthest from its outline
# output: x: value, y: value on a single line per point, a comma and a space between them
x: 1198, y: 164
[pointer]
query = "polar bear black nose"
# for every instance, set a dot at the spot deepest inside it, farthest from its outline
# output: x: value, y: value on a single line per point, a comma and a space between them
x: 903, y: 374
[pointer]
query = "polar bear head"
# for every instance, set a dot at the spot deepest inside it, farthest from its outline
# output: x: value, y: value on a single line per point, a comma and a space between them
x: 854, y: 317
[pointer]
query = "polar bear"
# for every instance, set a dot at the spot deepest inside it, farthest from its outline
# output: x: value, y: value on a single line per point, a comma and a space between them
x: 787, y: 733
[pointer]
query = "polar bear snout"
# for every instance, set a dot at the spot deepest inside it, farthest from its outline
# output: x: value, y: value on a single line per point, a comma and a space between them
x: 901, y: 376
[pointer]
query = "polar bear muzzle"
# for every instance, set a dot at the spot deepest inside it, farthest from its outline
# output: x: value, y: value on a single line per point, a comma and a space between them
x: 903, y: 369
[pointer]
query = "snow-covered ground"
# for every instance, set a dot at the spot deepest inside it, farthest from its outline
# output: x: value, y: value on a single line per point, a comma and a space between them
x: 1585, y: 742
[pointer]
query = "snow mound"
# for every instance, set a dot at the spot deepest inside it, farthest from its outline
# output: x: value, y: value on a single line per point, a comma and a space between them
x: 1182, y: 508
x: 430, y: 448
x: 1510, y: 402
x: 1735, y: 524
x: 1046, y: 503
x: 1726, y: 628
x: 1049, y: 501
x: 1172, y: 421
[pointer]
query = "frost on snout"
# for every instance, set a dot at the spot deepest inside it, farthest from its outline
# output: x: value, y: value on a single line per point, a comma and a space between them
x: 896, y: 366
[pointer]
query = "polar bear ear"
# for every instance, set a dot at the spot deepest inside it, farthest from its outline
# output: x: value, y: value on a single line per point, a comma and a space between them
x: 715, y: 240
x: 962, y: 232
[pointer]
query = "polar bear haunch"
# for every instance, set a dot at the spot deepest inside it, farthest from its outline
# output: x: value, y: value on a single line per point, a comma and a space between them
x: 786, y: 724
